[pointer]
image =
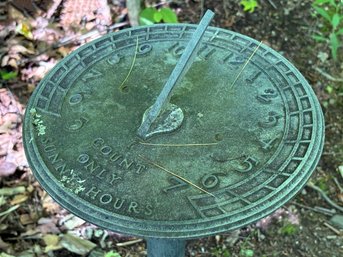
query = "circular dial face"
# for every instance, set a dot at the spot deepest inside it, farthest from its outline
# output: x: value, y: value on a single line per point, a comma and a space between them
x: 251, y: 134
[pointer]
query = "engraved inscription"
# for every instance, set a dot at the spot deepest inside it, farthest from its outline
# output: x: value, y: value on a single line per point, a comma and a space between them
x: 268, y: 144
x: 53, y: 155
x: 75, y: 125
x: 206, y: 52
x: 253, y: 77
x: 119, y: 159
x: 91, y: 75
x: 267, y: 96
x: 233, y: 60
x: 176, y: 184
x: 116, y: 203
x: 177, y: 49
x: 70, y: 178
x: 271, y: 121
x: 210, y: 181
x: 144, y: 49
x: 75, y: 99
x: 97, y: 170
x: 113, y: 59
x: 248, y: 164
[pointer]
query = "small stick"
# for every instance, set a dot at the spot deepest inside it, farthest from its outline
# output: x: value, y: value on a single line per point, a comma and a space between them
x: 122, y: 87
x: 332, y: 228
x: 175, y: 175
x: 325, y: 197
x: 338, y: 185
x: 316, y: 209
x: 177, y: 145
x: 245, y: 64
x: 272, y: 4
x: 132, y: 242
x: 328, y: 76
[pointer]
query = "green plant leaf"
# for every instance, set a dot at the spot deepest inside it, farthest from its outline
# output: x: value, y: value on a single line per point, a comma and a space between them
x: 319, y: 38
x: 146, y: 17
x: 321, y: 1
x: 340, y: 32
x: 335, y: 20
x: 334, y: 44
x: 329, y: 89
x: 288, y: 229
x: 158, y: 17
x: 246, y: 253
x: 5, y: 75
x: 112, y: 254
x: 323, y: 13
x: 249, y: 5
x: 169, y: 16
x: 333, y: 3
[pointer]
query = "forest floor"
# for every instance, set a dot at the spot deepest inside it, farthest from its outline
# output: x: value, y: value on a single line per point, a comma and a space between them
x: 34, y: 37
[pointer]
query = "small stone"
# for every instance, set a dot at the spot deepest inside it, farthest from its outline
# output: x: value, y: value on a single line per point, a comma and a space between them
x: 337, y: 220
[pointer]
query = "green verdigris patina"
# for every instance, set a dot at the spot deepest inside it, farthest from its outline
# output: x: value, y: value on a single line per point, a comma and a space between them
x: 247, y: 134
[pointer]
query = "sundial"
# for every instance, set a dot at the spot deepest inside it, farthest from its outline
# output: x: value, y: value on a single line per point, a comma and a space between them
x: 171, y: 132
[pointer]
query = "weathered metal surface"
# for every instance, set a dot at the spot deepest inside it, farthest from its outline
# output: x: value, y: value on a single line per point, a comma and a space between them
x: 260, y: 139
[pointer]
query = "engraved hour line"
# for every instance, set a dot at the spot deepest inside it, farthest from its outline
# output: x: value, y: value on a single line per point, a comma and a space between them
x: 215, y: 34
x: 202, y: 210
x: 253, y: 78
x: 93, y: 73
x: 182, y: 32
x: 175, y: 175
x: 296, y: 141
x: 246, y: 63
x: 238, y: 196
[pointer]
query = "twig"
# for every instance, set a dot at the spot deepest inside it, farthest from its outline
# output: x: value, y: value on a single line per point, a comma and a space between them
x: 68, y: 40
x: 321, y: 211
x: 134, y: 8
x: 325, y: 210
x: 325, y: 197
x: 53, y: 8
x: 272, y: 4
x: 328, y: 76
x: 174, y: 174
x: 132, y: 242
x: 12, y: 190
x: 13, y: 208
x: 122, y: 87
x: 338, y: 185
x: 332, y: 228
x: 178, y: 145
x: 245, y: 64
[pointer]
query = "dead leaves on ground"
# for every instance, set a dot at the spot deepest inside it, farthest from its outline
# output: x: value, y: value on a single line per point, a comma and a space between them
x: 11, y: 146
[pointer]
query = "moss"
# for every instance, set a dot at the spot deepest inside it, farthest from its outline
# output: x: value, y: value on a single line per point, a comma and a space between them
x: 37, y: 122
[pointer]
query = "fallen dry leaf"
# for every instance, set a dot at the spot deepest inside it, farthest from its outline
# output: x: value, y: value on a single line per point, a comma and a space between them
x: 26, y: 219
x: 7, y: 168
x: 76, y: 244
x: 71, y: 221
x: 51, y: 242
x: 37, y: 72
x: 48, y: 225
x: 3, y: 245
x: 19, y: 199
x: 76, y: 11
x: 15, y: 49
x: 12, y: 190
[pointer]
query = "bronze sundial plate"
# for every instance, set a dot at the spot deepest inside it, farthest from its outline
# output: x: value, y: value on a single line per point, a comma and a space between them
x: 259, y: 139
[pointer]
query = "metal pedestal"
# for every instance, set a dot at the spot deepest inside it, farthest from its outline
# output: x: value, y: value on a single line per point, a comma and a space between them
x: 160, y: 247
